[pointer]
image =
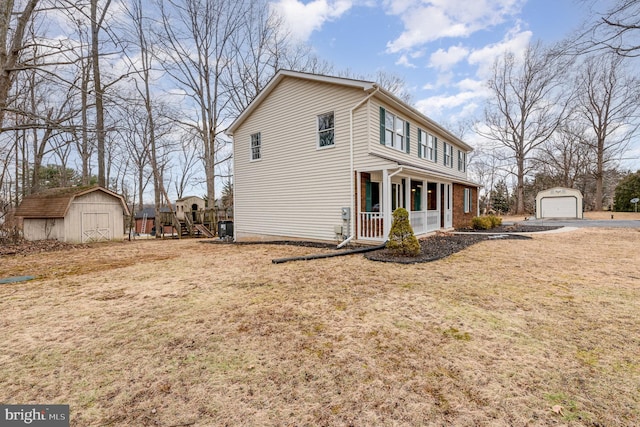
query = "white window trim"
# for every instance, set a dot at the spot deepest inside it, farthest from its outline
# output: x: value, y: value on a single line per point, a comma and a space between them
x: 462, y: 161
x: 333, y: 129
x: 394, y: 134
x: 448, y: 154
x: 467, y: 200
x: 431, y: 147
x: 251, y: 147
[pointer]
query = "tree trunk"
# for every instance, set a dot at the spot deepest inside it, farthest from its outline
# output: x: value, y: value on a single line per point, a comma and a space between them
x: 9, y: 58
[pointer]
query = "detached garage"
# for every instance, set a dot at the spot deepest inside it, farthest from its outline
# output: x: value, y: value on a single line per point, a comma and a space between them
x: 559, y: 202
x: 74, y: 215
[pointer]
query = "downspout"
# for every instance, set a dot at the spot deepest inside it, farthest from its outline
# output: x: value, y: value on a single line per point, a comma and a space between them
x: 352, y: 193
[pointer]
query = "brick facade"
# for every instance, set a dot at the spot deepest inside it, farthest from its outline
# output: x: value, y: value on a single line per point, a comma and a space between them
x: 460, y: 218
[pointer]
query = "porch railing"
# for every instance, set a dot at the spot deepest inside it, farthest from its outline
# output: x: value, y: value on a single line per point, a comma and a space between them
x: 418, y: 221
x: 371, y: 225
x: 433, y: 220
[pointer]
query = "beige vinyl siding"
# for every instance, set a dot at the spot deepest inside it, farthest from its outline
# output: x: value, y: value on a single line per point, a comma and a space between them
x: 374, y: 145
x: 95, y: 202
x: 295, y: 189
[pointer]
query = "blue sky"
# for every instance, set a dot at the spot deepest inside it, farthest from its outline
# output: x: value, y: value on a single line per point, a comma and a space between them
x: 442, y: 48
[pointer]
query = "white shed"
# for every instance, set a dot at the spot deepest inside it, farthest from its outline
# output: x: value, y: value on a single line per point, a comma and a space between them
x: 75, y: 215
x: 559, y: 202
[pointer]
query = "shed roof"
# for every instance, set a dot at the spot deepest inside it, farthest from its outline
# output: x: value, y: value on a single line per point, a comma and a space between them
x: 55, y: 202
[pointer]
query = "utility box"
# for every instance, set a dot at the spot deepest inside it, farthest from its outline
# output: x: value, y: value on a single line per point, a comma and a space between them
x: 346, y: 214
x: 225, y: 229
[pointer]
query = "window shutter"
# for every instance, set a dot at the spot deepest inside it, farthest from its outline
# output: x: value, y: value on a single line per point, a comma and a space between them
x: 407, y: 139
x: 382, y: 127
x: 444, y: 155
x: 419, y: 139
x: 435, y: 149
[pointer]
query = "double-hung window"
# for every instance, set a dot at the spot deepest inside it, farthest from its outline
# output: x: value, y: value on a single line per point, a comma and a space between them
x: 462, y: 161
x: 394, y: 132
x: 256, y: 146
x: 432, y: 148
x: 326, y: 130
x: 422, y: 144
x: 427, y: 145
x: 448, y: 155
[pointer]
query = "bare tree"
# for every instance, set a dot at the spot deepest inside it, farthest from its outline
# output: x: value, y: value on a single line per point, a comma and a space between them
x: 525, y: 108
x: 186, y: 162
x: 12, y: 34
x: 566, y: 155
x: 608, y: 101
x: 616, y: 29
x: 197, y: 54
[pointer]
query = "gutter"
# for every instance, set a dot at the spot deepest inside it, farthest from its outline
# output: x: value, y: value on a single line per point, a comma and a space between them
x: 352, y: 219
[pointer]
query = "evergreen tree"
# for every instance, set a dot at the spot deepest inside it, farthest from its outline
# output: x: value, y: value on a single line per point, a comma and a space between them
x: 500, y: 198
x: 402, y: 241
x: 627, y: 189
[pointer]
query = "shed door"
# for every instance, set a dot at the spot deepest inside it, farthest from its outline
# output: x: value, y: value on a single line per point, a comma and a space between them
x: 559, y: 207
x: 95, y: 227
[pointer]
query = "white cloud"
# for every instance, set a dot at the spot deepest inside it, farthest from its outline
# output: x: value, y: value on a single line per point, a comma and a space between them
x: 515, y: 41
x: 445, y: 59
x: 404, y: 61
x: 426, y: 21
x: 305, y: 18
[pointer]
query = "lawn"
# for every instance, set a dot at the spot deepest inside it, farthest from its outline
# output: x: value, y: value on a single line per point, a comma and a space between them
x: 543, y: 331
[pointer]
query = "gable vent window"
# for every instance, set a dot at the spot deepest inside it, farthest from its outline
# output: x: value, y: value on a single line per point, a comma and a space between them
x: 326, y: 130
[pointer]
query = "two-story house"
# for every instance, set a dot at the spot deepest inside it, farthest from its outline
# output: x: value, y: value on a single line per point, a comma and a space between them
x: 328, y: 158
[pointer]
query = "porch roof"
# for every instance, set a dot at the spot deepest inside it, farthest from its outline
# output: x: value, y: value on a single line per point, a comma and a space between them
x: 423, y: 169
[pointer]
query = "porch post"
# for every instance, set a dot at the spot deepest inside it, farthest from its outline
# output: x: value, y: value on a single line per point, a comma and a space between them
x: 407, y: 195
x: 439, y: 204
x: 386, y: 202
x: 356, y: 214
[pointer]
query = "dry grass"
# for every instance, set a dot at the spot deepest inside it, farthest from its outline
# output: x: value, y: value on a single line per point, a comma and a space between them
x: 185, y: 333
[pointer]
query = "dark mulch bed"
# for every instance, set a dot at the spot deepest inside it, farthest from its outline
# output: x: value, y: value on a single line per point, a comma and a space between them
x: 439, y: 246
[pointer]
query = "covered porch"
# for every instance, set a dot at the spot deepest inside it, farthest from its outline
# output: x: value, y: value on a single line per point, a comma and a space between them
x: 379, y: 192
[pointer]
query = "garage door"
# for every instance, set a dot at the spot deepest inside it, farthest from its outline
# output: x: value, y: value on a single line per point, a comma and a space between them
x: 559, y: 207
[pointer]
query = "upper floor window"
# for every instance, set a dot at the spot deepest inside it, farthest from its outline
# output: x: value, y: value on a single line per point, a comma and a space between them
x: 462, y: 161
x: 326, y: 130
x: 448, y: 155
x: 256, y: 145
x: 394, y: 132
x: 422, y: 144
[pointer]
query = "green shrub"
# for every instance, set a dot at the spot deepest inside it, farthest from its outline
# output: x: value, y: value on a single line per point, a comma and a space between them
x: 402, y: 241
x: 481, y: 223
x: 496, y: 221
x: 486, y: 222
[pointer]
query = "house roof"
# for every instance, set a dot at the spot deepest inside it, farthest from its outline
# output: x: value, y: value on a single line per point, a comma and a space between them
x: 55, y: 202
x: 430, y: 171
x: 366, y: 86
